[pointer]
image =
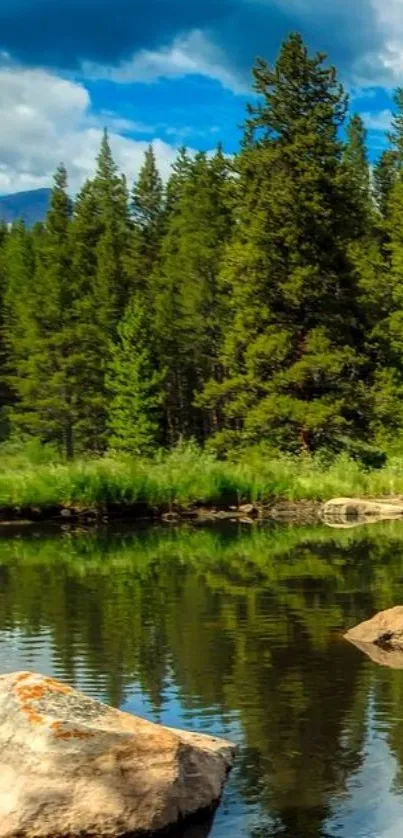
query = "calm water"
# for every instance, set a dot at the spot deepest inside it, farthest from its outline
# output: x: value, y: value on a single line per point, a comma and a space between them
x: 237, y: 633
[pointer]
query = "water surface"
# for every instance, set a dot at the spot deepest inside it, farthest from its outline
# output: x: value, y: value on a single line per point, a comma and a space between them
x: 235, y: 632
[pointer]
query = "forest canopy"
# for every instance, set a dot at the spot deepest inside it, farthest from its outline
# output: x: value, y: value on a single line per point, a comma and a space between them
x: 255, y: 298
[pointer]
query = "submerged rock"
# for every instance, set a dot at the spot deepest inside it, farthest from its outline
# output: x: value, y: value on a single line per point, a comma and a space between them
x: 71, y: 766
x: 385, y: 630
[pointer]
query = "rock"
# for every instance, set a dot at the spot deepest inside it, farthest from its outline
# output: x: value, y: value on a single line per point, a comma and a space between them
x: 393, y: 658
x: 384, y: 630
x: 71, y: 766
x: 345, y: 509
x: 170, y: 517
x: 293, y: 512
x: 248, y: 509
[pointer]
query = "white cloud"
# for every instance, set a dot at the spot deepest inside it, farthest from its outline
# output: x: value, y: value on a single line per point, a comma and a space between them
x: 198, y: 52
x: 366, y: 34
x: 189, y: 54
x: 378, y: 121
x: 383, y: 66
x: 46, y: 119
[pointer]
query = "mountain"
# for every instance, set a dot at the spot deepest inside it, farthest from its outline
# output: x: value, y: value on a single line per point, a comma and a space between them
x: 25, y: 206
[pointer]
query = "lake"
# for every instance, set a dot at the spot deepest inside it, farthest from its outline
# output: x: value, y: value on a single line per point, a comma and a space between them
x: 234, y: 631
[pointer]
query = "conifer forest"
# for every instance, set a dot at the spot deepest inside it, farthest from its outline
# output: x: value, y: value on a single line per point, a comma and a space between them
x: 255, y: 298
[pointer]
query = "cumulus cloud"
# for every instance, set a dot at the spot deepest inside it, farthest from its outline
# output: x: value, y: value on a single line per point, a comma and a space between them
x: 64, y: 33
x: 190, y: 54
x: 386, y: 63
x: 46, y: 119
x: 150, y: 39
x: 378, y: 121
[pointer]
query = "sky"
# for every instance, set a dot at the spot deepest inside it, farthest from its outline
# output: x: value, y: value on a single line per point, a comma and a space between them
x: 170, y: 72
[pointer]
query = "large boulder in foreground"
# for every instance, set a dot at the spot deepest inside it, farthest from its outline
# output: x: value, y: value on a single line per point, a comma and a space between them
x: 71, y: 766
x: 384, y: 630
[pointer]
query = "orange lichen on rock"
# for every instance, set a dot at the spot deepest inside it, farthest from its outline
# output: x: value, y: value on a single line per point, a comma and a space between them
x: 34, y: 718
x: 60, y: 732
x: 22, y: 677
x: 33, y: 693
x: 26, y: 695
x: 57, y: 687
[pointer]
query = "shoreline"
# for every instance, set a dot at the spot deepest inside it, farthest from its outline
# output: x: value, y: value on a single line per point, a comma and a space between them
x: 336, y: 512
x: 304, y: 511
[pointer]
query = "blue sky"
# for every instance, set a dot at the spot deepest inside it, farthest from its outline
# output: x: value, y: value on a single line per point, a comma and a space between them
x: 168, y: 71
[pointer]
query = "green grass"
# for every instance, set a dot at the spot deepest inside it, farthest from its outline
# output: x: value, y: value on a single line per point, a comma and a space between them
x: 186, y: 476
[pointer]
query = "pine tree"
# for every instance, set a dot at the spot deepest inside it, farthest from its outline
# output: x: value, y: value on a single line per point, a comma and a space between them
x: 112, y: 211
x: 148, y: 218
x: 4, y: 390
x: 18, y: 308
x: 187, y: 297
x: 147, y: 196
x: 38, y: 329
x: 134, y: 384
x: 356, y: 161
x: 180, y: 172
x: 385, y: 173
x: 99, y: 236
x: 291, y: 367
x: 386, y: 293
x: 88, y: 310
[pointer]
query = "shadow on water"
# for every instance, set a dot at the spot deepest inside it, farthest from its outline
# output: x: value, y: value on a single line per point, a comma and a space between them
x: 238, y: 633
x: 199, y: 827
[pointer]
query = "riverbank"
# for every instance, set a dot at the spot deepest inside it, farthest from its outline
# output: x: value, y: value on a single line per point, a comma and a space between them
x: 304, y: 512
x: 188, y: 483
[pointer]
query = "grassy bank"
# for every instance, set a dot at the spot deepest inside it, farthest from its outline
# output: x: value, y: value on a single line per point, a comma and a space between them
x: 187, y: 476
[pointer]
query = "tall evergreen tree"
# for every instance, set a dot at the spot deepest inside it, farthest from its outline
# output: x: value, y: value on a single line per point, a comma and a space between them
x: 292, y: 371
x: 148, y: 216
x: 112, y: 211
x: 385, y: 174
x: 386, y: 342
x: 88, y: 309
x: 38, y: 330
x: 4, y: 390
x: 99, y: 236
x: 180, y: 172
x: 134, y: 383
x: 356, y: 160
x: 187, y: 297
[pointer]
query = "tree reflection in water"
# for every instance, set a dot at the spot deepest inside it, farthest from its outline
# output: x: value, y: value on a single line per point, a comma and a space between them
x: 233, y: 632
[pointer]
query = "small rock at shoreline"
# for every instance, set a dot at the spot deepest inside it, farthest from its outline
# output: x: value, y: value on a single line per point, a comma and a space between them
x: 392, y: 658
x: 347, y: 509
x: 384, y: 630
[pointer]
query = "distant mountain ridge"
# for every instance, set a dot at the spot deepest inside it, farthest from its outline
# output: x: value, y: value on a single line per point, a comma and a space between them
x: 29, y: 207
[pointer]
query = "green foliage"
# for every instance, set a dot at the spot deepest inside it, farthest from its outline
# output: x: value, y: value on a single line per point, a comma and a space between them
x: 188, y: 475
x: 251, y: 299
x: 147, y: 206
x: 188, y: 298
x: 134, y: 384
x: 356, y: 159
x: 291, y: 351
x: 37, y: 325
x: 385, y: 173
